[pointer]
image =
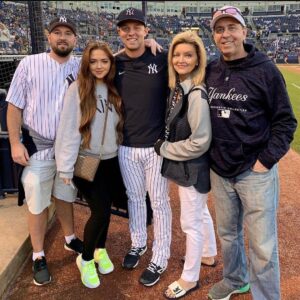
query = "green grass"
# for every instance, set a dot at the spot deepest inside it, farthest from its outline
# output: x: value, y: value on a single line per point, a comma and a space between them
x: 294, y: 92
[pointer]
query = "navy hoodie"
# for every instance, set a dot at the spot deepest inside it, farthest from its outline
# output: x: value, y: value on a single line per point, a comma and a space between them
x: 251, y: 114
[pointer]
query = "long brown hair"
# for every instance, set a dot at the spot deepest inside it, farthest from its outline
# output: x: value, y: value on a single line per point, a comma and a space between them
x: 87, y: 88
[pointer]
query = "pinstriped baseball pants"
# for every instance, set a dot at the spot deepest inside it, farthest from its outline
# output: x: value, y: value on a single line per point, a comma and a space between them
x: 140, y: 168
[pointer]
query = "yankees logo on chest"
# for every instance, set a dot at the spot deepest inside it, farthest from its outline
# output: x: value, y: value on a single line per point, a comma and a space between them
x: 152, y: 69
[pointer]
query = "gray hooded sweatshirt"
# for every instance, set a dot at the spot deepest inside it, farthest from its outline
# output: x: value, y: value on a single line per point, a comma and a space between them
x: 68, y: 139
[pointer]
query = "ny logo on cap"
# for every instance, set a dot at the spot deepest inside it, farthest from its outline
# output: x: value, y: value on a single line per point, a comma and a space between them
x: 63, y: 19
x: 130, y: 12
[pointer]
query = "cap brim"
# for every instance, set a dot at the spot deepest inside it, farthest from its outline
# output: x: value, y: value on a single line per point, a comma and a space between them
x: 131, y: 19
x: 62, y: 24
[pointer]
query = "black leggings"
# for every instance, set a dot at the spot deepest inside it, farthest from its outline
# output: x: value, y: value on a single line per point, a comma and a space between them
x: 99, y: 196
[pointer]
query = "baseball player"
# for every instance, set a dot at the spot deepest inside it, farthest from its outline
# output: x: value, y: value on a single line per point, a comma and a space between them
x: 141, y: 81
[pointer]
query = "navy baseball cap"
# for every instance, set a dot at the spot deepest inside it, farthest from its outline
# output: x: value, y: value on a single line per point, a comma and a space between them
x: 131, y: 14
x: 62, y: 21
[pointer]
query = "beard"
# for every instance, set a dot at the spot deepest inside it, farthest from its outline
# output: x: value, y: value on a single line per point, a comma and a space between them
x: 62, y: 52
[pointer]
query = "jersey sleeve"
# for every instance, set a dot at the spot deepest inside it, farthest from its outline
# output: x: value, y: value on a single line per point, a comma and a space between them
x: 18, y: 87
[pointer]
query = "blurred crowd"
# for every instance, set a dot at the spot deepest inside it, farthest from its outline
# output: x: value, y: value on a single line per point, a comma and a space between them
x: 277, y: 35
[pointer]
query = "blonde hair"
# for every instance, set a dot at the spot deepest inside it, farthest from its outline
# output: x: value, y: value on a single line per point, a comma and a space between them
x: 188, y: 37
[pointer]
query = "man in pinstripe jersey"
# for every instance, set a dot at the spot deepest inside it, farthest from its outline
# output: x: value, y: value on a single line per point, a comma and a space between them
x: 141, y: 80
x: 35, y: 101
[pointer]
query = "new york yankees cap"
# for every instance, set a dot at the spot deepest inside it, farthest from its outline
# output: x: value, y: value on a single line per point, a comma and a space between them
x: 225, y: 12
x: 131, y: 14
x: 62, y: 21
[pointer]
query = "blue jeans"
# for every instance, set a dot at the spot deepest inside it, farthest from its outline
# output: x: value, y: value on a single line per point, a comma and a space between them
x: 251, y: 200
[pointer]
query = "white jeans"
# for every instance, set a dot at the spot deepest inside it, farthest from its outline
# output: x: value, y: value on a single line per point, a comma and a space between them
x: 209, y: 244
x: 140, y: 168
x: 196, y: 223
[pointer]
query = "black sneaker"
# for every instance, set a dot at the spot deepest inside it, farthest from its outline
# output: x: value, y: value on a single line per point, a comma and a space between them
x: 131, y: 260
x: 41, y: 274
x: 152, y: 274
x: 76, y: 245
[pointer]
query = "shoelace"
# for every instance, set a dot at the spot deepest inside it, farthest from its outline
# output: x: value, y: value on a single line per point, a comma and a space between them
x: 153, y: 267
x: 41, y: 264
x: 135, y: 251
x: 103, y: 257
x: 91, y: 269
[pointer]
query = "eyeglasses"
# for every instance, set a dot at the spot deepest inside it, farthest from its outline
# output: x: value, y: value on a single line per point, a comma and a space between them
x: 229, y: 10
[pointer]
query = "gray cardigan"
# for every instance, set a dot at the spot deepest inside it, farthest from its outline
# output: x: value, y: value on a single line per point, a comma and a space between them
x: 68, y: 139
x: 199, y: 120
x: 185, y: 153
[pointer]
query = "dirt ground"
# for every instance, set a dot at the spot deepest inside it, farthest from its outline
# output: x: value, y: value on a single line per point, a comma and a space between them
x: 122, y: 284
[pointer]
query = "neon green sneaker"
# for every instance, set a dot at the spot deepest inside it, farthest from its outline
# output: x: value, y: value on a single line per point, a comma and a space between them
x: 105, y: 266
x: 88, y: 271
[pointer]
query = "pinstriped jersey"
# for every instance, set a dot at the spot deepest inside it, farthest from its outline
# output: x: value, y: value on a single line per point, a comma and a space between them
x: 38, y: 88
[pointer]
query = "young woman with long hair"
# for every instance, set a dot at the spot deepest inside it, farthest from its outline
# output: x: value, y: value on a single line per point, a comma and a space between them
x: 184, y: 149
x: 80, y: 130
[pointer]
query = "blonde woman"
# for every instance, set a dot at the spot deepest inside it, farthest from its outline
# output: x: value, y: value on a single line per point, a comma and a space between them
x: 184, y: 148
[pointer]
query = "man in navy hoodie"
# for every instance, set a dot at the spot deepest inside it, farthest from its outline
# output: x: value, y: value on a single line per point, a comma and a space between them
x: 252, y: 125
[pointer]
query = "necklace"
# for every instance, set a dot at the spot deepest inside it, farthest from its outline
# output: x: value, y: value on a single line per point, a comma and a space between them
x: 176, y: 96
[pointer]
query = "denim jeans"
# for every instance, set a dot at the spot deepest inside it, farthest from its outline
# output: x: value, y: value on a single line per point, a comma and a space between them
x: 249, y: 200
